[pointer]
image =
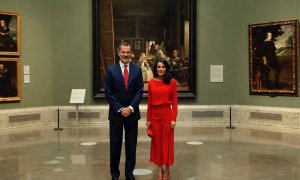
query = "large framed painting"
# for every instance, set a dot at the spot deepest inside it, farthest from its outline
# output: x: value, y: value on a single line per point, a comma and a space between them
x: 9, y: 33
x: 273, y: 56
x: 10, y: 79
x: 162, y: 29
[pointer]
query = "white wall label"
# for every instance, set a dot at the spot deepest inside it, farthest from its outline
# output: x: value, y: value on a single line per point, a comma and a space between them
x: 26, y: 69
x: 216, y: 73
x: 26, y: 78
x: 77, y: 96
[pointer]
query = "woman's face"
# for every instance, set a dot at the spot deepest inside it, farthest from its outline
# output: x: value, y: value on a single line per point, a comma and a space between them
x: 161, y: 69
x: 142, y: 58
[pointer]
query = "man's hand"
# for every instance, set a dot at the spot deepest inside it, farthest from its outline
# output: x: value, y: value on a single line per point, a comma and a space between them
x: 126, y: 112
x: 265, y: 60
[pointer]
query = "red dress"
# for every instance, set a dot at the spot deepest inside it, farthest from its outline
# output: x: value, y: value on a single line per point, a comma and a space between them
x: 162, y: 109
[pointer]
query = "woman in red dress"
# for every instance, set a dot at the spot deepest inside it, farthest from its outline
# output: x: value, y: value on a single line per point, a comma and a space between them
x: 161, y: 117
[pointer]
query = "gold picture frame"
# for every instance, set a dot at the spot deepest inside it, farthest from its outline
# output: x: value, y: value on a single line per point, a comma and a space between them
x: 10, y: 33
x: 10, y: 79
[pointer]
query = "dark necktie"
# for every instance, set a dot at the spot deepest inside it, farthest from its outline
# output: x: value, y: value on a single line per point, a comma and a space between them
x: 126, y: 76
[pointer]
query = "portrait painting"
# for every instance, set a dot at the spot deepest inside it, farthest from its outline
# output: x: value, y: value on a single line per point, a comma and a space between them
x: 9, y: 33
x: 273, y: 49
x: 162, y: 29
x: 9, y: 79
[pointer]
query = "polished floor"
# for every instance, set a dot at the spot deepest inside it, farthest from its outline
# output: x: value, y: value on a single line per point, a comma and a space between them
x: 222, y: 154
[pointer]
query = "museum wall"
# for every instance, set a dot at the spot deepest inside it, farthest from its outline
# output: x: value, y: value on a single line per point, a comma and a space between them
x: 216, y: 46
x: 257, y: 11
x: 72, y: 49
x: 36, y: 51
x: 215, y: 30
x: 57, y: 44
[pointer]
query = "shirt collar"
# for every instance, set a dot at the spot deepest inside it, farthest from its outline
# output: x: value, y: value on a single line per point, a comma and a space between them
x: 122, y: 64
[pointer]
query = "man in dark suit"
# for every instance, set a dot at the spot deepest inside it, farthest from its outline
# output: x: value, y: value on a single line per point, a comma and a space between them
x: 123, y: 91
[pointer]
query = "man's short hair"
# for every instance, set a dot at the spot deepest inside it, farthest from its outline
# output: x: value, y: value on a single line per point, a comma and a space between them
x: 124, y: 43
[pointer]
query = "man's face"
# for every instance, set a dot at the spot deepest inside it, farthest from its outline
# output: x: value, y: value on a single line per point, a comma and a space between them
x: 2, y: 22
x: 269, y: 35
x: 1, y: 67
x: 125, y: 54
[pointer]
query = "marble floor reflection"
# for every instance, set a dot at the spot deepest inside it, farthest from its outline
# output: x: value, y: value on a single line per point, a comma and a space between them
x: 222, y: 154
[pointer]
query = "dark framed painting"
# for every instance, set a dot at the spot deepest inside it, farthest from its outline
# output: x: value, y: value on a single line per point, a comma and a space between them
x: 10, y: 79
x: 273, y: 56
x: 137, y: 45
x: 162, y: 29
x: 9, y: 33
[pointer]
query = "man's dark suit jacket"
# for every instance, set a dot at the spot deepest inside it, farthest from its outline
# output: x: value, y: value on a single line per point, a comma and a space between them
x: 117, y: 95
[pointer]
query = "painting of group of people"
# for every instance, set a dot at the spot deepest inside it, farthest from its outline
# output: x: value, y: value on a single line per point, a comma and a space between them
x: 154, y: 51
x: 166, y: 33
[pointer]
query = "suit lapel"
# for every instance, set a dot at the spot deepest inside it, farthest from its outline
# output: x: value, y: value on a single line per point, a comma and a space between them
x: 120, y: 75
x: 131, y: 74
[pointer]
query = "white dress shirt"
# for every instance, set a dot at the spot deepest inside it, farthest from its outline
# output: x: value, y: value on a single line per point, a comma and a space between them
x: 122, y: 65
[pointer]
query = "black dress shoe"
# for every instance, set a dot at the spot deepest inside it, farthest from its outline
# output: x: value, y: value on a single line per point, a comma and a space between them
x: 115, y: 178
x: 131, y: 177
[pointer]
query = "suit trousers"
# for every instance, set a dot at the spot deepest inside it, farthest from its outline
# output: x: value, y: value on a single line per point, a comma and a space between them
x: 116, y: 137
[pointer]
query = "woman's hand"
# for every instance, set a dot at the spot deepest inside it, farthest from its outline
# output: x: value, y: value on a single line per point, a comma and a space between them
x: 173, y: 124
x: 148, y: 124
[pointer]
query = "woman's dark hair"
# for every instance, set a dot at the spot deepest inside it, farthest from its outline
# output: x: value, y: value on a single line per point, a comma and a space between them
x: 167, y: 76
